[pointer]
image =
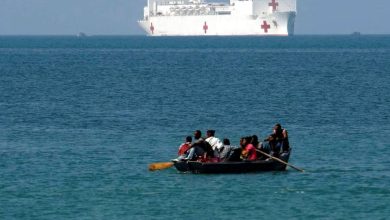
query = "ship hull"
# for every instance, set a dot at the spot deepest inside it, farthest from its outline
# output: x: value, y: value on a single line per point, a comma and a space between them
x: 275, y: 24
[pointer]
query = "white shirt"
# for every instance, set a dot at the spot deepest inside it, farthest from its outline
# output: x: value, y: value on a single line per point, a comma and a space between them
x: 214, y: 142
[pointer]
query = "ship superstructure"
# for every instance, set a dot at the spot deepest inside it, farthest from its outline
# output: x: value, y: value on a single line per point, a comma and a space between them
x: 238, y: 17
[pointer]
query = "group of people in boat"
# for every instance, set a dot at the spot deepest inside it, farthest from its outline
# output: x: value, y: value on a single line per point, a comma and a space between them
x: 212, y: 149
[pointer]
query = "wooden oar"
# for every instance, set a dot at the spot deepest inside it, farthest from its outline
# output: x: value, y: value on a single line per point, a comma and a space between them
x: 279, y: 160
x: 160, y: 166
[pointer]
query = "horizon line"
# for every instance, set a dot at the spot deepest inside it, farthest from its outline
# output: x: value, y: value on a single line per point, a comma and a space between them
x: 144, y: 35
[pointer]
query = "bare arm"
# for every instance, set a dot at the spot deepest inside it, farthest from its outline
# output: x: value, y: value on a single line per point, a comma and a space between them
x: 285, y: 134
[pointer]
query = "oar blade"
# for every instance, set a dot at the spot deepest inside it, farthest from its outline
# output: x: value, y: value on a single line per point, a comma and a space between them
x: 160, y: 166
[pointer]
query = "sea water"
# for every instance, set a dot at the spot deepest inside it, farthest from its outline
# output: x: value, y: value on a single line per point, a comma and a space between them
x: 81, y: 119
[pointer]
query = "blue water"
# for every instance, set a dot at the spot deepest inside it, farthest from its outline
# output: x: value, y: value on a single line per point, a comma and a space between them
x: 81, y: 119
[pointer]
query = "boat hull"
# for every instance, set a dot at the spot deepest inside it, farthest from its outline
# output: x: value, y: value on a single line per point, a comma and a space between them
x: 232, y: 167
x: 276, y: 24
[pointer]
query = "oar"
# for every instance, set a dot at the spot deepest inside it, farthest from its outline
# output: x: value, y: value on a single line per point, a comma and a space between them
x: 160, y: 166
x: 281, y: 161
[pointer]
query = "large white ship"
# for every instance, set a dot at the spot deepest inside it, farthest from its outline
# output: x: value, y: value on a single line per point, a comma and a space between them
x: 238, y: 17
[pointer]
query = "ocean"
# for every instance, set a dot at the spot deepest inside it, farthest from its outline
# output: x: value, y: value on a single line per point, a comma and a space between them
x: 82, y: 118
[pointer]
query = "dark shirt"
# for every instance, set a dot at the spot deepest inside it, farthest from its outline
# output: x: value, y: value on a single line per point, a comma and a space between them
x: 205, y: 146
x: 279, y: 143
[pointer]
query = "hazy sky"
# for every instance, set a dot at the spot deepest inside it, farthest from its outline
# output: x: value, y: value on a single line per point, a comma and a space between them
x: 120, y: 17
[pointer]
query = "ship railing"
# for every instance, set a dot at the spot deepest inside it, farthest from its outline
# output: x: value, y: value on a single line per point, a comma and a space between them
x: 179, y: 2
x: 187, y: 13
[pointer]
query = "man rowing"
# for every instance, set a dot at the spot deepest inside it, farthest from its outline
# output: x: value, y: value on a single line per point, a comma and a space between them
x: 277, y: 142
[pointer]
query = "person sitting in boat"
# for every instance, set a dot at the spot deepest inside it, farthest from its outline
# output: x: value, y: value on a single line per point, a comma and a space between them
x: 214, y: 142
x: 198, y: 136
x: 255, y: 141
x: 206, y: 147
x: 184, y: 147
x: 195, y: 153
x: 277, y: 142
x: 248, y: 150
x: 226, y: 151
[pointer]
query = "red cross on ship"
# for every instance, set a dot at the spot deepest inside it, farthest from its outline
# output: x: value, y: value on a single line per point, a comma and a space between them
x: 273, y: 4
x: 205, y: 27
x: 265, y: 26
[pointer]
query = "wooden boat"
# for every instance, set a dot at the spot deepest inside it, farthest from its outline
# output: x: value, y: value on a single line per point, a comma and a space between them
x: 232, y: 167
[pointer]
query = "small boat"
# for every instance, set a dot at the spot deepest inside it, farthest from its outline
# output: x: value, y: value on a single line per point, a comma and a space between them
x: 356, y: 33
x: 82, y: 35
x: 232, y: 167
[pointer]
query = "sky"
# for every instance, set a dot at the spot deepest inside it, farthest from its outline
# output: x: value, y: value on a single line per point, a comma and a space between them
x: 119, y: 17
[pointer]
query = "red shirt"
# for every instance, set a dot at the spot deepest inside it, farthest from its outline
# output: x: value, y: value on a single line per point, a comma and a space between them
x: 183, y: 148
x: 252, y: 154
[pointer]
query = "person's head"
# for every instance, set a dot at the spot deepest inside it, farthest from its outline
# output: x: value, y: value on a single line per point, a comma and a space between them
x: 188, y: 139
x: 242, y: 142
x: 197, y: 134
x: 248, y: 140
x: 277, y: 128
x: 210, y: 133
x: 255, y: 140
x: 226, y: 141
